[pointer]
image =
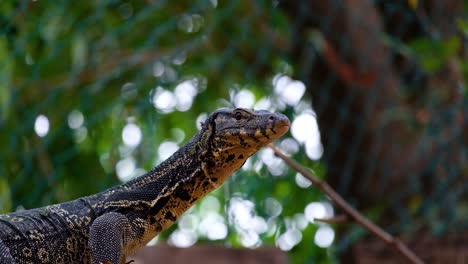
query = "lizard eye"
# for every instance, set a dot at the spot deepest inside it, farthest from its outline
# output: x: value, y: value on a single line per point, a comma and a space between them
x: 238, y: 116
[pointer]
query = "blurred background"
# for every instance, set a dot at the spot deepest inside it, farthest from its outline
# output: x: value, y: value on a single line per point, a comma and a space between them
x: 95, y: 93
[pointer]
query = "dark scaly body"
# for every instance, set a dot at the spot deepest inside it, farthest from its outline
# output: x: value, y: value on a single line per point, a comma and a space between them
x: 110, y: 225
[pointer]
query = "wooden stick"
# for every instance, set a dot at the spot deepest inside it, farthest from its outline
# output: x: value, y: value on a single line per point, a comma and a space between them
x: 339, y: 219
x: 393, y: 242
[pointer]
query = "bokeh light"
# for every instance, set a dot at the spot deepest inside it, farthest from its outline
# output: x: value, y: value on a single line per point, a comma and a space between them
x: 274, y: 164
x: 273, y: 207
x: 289, y: 239
x: 246, y: 222
x: 164, y: 100
x: 302, y: 181
x: 324, y: 236
x: 264, y: 103
x: 200, y: 119
x: 244, y: 98
x: 317, y: 210
x: 189, y: 222
x: 131, y: 135
x: 125, y: 169
x: 300, y: 221
x: 183, y: 238
x: 75, y: 119
x: 288, y: 90
x: 166, y: 149
x: 80, y: 134
x: 185, y: 93
x: 305, y: 130
x: 41, y: 125
x: 213, y: 226
x: 158, y: 69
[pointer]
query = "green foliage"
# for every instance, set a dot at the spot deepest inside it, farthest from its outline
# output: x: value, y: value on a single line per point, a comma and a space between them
x: 5, y: 199
x: 91, y: 68
x: 434, y: 54
x: 463, y: 26
x: 6, y: 68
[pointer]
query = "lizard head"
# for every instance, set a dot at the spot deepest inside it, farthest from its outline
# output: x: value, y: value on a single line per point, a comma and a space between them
x: 233, y: 135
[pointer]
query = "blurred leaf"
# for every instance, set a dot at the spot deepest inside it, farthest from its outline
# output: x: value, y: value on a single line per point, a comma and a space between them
x: 6, y: 70
x: 5, y: 198
x: 413, y: 4
x: 433, y: 54
x: 463, y: 26
x: 79, y: 51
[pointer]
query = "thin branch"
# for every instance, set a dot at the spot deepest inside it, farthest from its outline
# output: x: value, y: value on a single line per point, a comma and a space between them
x: 393, y: 242
x: 339, y: 219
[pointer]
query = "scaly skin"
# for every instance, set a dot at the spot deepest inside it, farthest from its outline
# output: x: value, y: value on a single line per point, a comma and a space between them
x: 108, y: 226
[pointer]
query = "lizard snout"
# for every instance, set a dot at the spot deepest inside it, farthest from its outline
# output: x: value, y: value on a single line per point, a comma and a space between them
x: 280, y: 123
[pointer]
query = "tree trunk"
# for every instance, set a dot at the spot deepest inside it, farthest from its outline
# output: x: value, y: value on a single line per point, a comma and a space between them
x: 393, y: 132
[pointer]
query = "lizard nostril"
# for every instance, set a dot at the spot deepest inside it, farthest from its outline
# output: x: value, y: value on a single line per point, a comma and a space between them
x: 272, y: 118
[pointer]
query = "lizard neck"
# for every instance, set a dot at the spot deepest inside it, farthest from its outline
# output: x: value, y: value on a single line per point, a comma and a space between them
x: 162, y: 195
x: 163, y: 180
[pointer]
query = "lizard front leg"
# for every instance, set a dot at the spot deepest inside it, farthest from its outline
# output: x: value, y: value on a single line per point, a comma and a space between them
x: 5, y: 256
x: 107, y: 237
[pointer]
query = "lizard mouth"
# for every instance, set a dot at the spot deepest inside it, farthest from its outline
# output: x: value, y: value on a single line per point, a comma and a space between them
x: 281, y: 124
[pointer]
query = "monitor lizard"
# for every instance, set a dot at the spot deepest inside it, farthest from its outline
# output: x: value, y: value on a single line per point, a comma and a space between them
x: 109, y: 226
